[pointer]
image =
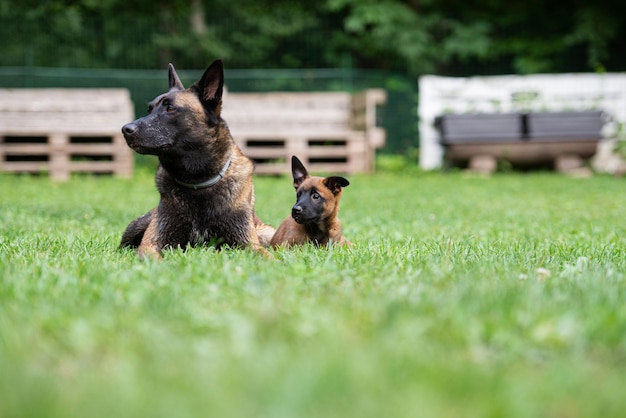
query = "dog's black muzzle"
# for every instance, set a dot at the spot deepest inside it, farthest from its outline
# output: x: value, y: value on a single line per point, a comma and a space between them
x: 296, y: 213
x: 133, y: 140
x: 303, y: 215
x: 143, y: 139
x: 129, y: 130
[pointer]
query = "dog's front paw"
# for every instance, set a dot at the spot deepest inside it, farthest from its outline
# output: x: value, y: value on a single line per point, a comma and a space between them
x: 145, y: 252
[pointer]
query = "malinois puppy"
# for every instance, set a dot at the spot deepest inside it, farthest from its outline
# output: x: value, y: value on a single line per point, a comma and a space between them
x: 205, y: 182
x: 314, y: 216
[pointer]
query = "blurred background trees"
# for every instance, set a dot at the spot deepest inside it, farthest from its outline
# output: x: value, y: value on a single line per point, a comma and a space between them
x: 293, y: 45
x: 408, y: 36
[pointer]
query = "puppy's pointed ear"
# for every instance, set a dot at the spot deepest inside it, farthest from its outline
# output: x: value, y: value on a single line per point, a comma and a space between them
x: 174, y: 80
x: 298, y: 171
x: 211, y: 86
x: 335, y: 183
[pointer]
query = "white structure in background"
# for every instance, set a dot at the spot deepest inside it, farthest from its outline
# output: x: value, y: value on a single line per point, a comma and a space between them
x: 513, y: 93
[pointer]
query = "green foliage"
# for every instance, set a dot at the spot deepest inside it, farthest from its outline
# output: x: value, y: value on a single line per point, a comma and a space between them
x: 472, y: 37
x: 423, y: 39
x: 594, y: 29
x: 462, y: 296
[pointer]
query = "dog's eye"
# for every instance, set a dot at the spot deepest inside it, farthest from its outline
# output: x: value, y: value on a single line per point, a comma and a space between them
x: 315, y: 196
x: 167, y: 104
x: 150, y: 108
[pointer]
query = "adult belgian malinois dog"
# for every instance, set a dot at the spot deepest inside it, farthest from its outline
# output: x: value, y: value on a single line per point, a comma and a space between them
x: 205, y: 182
x: 314, y: 217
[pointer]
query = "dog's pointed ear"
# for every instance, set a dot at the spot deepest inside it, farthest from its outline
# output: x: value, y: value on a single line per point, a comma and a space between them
x: 298, y: 171
x: 211, y: 85
x: 174, y: 80
x: 335, y: 183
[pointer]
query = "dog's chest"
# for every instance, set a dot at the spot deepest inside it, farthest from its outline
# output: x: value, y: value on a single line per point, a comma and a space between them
x: 316, y: 235
x: 210, y: 221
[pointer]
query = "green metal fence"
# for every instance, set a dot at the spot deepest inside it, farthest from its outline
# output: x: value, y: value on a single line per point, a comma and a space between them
x: 398, y: 116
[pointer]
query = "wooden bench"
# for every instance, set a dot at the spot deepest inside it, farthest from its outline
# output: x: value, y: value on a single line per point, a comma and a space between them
x: 62, y: 131
x: 523, y: 139
x: 329, y: 131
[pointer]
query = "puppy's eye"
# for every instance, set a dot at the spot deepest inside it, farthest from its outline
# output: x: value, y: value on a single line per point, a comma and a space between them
x: 315, y: 196
x: 150, y: 108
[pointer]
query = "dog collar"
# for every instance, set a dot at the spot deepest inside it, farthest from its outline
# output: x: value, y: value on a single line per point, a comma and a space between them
x: 210, y: 182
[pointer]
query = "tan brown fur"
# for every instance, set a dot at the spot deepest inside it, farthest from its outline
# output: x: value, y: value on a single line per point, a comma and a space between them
x: 315, y: 216
x: 204, y: 180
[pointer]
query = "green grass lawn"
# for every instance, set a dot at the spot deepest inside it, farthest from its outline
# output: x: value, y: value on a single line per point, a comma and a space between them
x: 462, y: 297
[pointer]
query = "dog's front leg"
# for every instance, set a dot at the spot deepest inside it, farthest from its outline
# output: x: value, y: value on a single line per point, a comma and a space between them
x: 255, y: 245
x: 343, y: 241
x: 336, y: 235
x: 134, y: 231
x: 151, y: 246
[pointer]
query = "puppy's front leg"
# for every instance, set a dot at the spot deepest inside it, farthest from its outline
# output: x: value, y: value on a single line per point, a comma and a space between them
x: 336, y: 234
x: 343, y: 241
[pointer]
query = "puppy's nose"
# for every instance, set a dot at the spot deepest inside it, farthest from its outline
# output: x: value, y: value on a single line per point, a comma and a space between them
x: 296, y: 210
x: 129, y: 128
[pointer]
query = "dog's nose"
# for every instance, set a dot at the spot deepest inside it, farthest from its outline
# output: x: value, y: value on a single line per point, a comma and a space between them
x: 129, y: 128
x: 296, y: 210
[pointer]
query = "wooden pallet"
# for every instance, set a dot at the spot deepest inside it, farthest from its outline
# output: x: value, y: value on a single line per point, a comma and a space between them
x: 64, y: 131
x: 328, y: 131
